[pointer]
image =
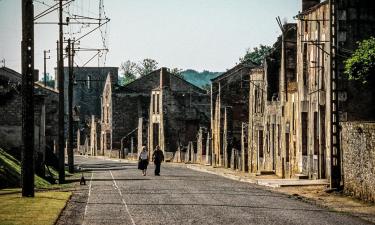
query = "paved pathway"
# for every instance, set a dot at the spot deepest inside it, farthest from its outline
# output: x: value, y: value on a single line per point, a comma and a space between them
x: 117, y: 193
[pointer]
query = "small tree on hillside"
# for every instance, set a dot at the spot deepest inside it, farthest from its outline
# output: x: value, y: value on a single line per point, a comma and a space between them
x: 257, y: 54
x: 360, y: 66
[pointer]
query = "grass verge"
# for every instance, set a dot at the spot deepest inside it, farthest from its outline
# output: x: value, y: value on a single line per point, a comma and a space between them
x: 43, y: 209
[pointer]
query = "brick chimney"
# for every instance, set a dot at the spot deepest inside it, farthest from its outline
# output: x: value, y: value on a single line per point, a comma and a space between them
x: 36, y: 75
x: 164, y: 77
x: 307, y: 4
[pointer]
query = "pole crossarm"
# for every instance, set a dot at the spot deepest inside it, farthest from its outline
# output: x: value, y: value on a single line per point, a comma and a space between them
x: 51, y: 9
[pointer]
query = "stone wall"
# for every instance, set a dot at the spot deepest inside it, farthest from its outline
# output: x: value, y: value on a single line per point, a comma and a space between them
x: 358, y: 148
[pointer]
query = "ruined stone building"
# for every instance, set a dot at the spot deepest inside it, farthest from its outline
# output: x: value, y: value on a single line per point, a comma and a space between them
x: 355, y: 22
x: 290, y: 97
x: 106, y: 117
x: 88, y: 87
x: 314, y: 90
x: 229, y: 113
x: 87, y: 90
x: 272, y: 106
x: 157, y: 109
x: 45, y: 109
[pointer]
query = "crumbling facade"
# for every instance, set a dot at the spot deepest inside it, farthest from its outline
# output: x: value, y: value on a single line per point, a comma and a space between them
x: 106, y: 119
x: 290, y: 103
x: 229, y: 110
x: 88, y: 87
x: 45, y: 116
x: 157, y: 109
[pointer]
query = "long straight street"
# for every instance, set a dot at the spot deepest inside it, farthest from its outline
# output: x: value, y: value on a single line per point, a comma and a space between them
x: 117, y: 193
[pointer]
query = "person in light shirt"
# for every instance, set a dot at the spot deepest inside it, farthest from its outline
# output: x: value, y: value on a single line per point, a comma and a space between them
x: 143, y: 160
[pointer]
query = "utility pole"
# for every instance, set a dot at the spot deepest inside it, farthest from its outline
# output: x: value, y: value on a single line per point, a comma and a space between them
x: 45, y: 66
x: 60, y: 72
x: 27, y: 46
x: 70, y: 52
x: 335, y: 181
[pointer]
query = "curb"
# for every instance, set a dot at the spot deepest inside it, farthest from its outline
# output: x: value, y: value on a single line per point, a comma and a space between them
x: 226, y: 175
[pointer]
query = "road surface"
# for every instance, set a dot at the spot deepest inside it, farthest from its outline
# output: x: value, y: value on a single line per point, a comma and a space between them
x: 117, y: 193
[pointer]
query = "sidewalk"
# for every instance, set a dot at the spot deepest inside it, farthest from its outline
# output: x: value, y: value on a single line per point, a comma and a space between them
x: 264, y: 180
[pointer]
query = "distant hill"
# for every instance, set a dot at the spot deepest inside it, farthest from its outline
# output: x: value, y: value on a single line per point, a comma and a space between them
x: 199, y: 79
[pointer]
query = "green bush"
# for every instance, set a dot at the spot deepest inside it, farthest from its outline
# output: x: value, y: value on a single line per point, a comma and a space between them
x: 361, y: 65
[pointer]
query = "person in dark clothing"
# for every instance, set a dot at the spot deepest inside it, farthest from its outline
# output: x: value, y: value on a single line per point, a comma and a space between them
x: 157, y: 157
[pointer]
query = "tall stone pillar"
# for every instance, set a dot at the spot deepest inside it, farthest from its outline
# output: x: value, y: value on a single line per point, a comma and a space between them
x: 200, y: 145
x: 93, y: 137
x: 78, y: 141
x: 208, y: 150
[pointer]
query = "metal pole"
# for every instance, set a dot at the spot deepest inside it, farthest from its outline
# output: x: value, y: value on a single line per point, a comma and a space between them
x: 60, y: 69
x: 27, y: 172
x: 70, y: 106
x: 335, y: 181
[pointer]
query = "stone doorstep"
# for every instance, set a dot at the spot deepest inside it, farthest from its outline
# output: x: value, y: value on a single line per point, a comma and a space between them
x: 301, y: 176
x: 266, y: 172
x: 263, y: 182
x: 292, y: 182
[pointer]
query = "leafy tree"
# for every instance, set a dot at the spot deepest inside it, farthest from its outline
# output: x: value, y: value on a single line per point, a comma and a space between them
x: 361, y: 65
x: 177, y: 72
x: 257, y: 54
x: 147, y: 66
x: 129, y: 70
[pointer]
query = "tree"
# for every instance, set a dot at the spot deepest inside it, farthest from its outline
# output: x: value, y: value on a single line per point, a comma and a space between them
x: 257, y: 55
x: 146, y: 66
x: 360, y: 66
x: 129, y: 70
x: 177, y: 72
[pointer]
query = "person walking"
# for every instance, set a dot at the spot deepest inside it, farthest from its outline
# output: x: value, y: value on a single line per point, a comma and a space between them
x: 143, y: 160
x: 157, y: 157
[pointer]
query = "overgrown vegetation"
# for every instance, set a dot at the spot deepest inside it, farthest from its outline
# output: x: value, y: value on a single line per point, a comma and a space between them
x: 10, y: 173
x: 360, y: 66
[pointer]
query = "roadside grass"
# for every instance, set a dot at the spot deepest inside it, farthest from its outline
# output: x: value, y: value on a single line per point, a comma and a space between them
x: 43, y: 209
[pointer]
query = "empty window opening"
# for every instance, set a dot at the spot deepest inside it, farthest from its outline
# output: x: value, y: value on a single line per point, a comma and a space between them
x: 304, y: 133
x: 260, y: 146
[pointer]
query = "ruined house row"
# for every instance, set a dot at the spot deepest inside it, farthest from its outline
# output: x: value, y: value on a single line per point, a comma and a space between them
x: 274, y: 117
x: 288, y: 99
x: 158, y: 109
x: 45, y: 117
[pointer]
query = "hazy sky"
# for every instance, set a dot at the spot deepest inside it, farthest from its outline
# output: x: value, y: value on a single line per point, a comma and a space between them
x: 196, y: 34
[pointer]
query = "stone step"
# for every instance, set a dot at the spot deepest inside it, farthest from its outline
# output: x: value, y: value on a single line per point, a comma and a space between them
x: 301, y: 176
x: 266, y: 172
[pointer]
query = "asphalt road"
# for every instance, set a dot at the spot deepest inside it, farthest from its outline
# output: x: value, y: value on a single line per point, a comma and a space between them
x: 117, y: 193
